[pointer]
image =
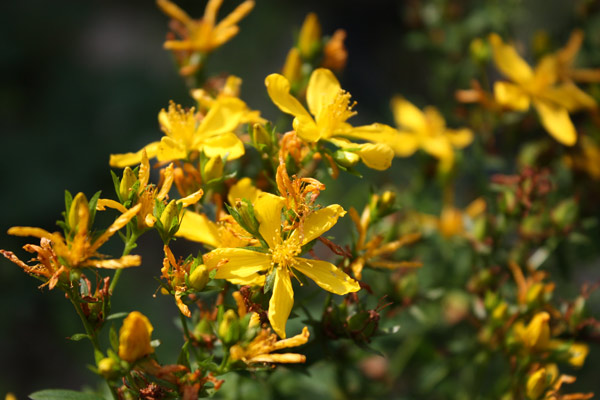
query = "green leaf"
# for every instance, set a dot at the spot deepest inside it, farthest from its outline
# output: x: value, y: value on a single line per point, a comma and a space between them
x: 92, y: 205
x: 61, y: 394
x: 78, y: 336
x: 114, y: 338
x: 117, y: 315
x: 117, y: 184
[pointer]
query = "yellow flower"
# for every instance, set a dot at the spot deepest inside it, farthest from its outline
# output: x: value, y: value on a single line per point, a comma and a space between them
x: 539, y: 87
x: 58, y: 255
x: 331, y: 107
x: 226, y: 232
x: 134, y: 337
x: 230, y: 89
x: 202, y: 34
x: 536, y: 335
x: 249, y: 267
x: 427, y: 130
x: 260, y: 348
x: 184, y: 134
x: 565, y: 58
x: 453, y: 221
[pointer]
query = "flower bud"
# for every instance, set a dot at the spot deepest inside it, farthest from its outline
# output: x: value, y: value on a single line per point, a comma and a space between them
x: 134, y: 337
x: 170, y: 212
x: 79, y: 203
x: 480, y: 51
x: 198, y: 278
x: 537, y: 333
x: 127, y: 182
x: 292, y: 69
x: 213, y: 169
x: 536, y: 384
x: 229, y: 329
x: 260, y: 136
x: 107, y: 367
x: 309, y: 38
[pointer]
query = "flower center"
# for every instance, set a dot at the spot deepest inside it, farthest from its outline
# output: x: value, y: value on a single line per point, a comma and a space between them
x: 336, y: 113
x: 283, y: 254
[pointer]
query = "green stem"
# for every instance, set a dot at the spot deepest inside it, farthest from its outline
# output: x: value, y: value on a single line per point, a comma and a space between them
x: 186, y: 330
x: 129, y: 245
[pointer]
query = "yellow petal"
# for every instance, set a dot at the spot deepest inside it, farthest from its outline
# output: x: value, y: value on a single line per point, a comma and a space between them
x: 118, y: 224
x: 223, y: 117
x: 327, y: 276
x: 439, y: 147
x: 569, y: 96
x: 279, y: 91
x: 170, y: 149
x: 556, y: 121
x: 545, y: 74
x: 198, y: 228
x: 167, y: 183
x: 174, y: 11
x: 407, y: 115
x: 267, y: 209
x: 281, y: 301
x: 511, y: 96
x: 508, y: 61
x: 243, y: 189
x: 225, y: 145
x: 57, y: 240
x: 123, y: 262
x: 378, y: 156
x: 294, y: 341
x: 460, y: 138
x: 128, y: 159
x: 191, y: 199
x: 567, y: 54
x: 236, y: 15
x: 402, y: 143
x: 323, y: 88
x: 317, y: 223
x: 240, y: 264
x: 476, y: 208
x: 435, y: 121
x: 103, y: 203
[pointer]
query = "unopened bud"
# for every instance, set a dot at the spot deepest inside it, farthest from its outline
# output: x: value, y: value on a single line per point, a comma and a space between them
x: 260, y: 136
x: 536, y: 384
x: 346, y: 158
x: 199, y: 277
x: 127, y: 182
x: 170, y: 212
x: 309, y: 38
x: 480, y: 51
x: 79, y: 202
x: 107, y: 367
x: 292, y: 68
x: 229, y: 329
x: 213, y: 169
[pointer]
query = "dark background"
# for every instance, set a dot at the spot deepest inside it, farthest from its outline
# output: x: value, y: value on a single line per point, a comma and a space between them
x: 83, y: 79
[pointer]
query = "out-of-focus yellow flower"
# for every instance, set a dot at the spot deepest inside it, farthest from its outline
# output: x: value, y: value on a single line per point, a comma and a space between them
x: 230, y: 89
x: 184, y: 133
x: 545, y: 383
x: 249, y: 267
x: 260, y: 349
x: 587, y: 159
x: 331, y: 107
x: 204, y: 34
x: 453, y: 221
x: 565, y: 58
x: 373, y: 252
x: 539, y: 87
x: 536, y: 335
x: 58, y: 255
x: 427, y: 130
x: 134, y: 337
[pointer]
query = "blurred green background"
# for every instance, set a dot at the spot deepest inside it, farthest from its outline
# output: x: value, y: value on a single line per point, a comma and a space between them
x: 83, y: 79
